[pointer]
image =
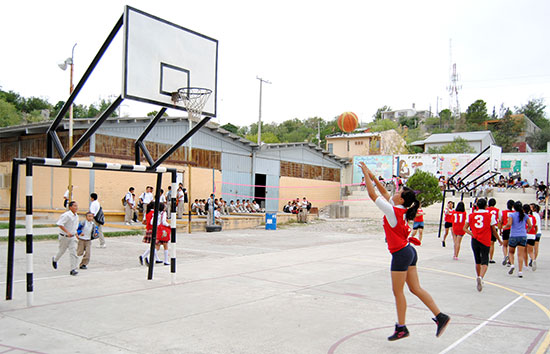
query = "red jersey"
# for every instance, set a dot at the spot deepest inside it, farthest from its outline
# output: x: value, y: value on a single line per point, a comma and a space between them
x: 448, y: 215
x: 459, y: 220
x: 533, y: 230
x: 505, y: 219
x: 419, y: 217
x: 493, y: 211
x: 397, y: 236
x: 480, y: 224
x: 148, y: 218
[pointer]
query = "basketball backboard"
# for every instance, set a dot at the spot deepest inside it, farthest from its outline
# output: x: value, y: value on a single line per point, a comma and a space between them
x: 496, y: 153
x: 161, y: 57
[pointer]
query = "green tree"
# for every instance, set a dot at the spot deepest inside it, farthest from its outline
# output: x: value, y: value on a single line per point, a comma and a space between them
x: 154, y: 114
x: 506, y: 131
x: 231, y: 128
x: 476, y: 115
x: 8, y: 114
x: 378, y: 114
x: 539, y: 140
x: 268, y: 138
x: 534, y: 110
x: 426, y: 186
x: 410, y: 122
x: 382, y: 125
x: 458, y: 146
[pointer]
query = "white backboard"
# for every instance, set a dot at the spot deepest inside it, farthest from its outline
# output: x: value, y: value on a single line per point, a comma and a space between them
x: 160, y: 57
x: 496, y: 152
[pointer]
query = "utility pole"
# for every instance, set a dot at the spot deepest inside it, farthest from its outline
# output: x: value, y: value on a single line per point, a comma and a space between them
x: 260, y: 115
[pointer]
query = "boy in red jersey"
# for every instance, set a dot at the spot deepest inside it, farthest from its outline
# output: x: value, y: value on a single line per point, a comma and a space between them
x: 496, y: 213
x: 505, y: 230
x: 481, y: 225
x: 459, y: 220
x: 398, y: 209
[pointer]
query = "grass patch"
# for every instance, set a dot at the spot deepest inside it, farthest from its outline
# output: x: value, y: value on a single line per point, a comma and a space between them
x: 54, y: 237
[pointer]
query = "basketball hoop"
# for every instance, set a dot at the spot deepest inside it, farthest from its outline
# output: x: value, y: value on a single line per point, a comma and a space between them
x: 193, y: 98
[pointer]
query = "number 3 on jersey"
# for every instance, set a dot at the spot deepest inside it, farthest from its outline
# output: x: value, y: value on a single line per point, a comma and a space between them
x: 479, y: 221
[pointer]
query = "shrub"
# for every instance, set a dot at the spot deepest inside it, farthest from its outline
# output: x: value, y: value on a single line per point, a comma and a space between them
x: 426, y: 186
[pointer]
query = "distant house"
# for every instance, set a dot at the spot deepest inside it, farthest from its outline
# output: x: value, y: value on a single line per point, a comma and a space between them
x: 364, y: 143
x: 478, y: 140
x: 528, y: 129
x: 406, y: 113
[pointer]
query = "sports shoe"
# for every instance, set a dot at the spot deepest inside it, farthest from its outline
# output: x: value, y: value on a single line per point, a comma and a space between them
x: 83, y: 266
x: 400, y: 332
x: 141, y: 260
x: 128, y: 224
x: 166, y: 263
x: 455, y: 258
x: 54, y: 263
x: 158, y: 261
x: 492, y: 261
x: 73, y: 272
x: 146, y: 260
x: 442, y: 243
x: 441, y: 320
x: 534, y: 266
x: 511, y: 271
x: 103, y: 246
x: 505, y: 260
x: 531, y: 263
x: 479, y: 284
x: 520, y: 275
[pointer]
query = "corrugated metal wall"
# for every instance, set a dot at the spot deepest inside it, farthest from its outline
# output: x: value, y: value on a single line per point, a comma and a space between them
x: 270, y: 168
x: 236, y: 173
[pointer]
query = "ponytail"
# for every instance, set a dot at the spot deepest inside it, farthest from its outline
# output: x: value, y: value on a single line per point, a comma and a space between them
x: 518, y: 207
x: 410, y: 202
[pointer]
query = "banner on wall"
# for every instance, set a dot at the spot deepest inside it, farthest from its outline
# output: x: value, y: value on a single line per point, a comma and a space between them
x: 379, y: 165
x: 446, y: 164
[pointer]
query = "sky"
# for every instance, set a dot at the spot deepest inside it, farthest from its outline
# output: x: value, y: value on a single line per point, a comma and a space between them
x: 322, y: 58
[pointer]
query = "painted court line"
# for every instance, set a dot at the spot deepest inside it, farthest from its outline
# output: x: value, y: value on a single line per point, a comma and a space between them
x: 481, y: 325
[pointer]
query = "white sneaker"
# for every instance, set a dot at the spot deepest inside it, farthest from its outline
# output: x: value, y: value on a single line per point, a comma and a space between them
x: 479, y: 284
x: 103, y: 246
x: 534, y: 265
x: 128, y: 224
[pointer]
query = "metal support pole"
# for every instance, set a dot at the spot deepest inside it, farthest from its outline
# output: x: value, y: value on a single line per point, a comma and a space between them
x: 11, y: 230
x: 173, y: 225
x: 441, y: 215
x: 29, y: 231
x: 155, y: 227
x: 190, y: 196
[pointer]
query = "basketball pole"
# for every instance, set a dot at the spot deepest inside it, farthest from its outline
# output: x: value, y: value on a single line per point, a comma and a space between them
x: 260, y: 114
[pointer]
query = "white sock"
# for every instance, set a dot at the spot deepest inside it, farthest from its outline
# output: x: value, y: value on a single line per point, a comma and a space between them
x: 156, y: 256
x: 146, y: 253
x: 166, y: 256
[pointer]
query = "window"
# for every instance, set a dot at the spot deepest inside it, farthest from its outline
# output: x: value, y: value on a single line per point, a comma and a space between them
x: 348, y: 144
x: 330, y: 148
x: 5, y: 181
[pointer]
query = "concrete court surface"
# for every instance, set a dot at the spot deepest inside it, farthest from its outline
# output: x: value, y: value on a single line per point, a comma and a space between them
x: 320, y: 288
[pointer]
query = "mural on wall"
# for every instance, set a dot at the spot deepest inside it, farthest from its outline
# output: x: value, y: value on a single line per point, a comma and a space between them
x: 510, y: 167
x: 446, y: 164
x: 379, y: 165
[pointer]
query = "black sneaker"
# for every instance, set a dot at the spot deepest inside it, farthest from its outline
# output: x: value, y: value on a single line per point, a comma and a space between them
x: 400, y: 332
x: 73, y: 272
x: 441, y: 320
x: 511, y: 271
x: 442, y: 243
x: 54, y: 263
x: 158, y: 262
x: 141, y: 260
x: 505, y: 260
x: 83, y: 267
x: 492, y: 261
x: 531, y: 263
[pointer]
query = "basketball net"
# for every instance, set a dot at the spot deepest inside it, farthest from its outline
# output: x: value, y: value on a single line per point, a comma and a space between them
x: 193, y: 98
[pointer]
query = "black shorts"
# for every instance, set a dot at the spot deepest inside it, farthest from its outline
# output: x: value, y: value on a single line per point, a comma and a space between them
x: 493, y: 238
x: 538, y: 238
x: 481, y: 252
x: 505, y: 235
x: 531, y: 242
x: 403, y: 259
x: 448, y: 224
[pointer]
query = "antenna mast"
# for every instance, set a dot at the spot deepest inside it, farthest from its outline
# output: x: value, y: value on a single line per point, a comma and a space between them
x: 454, y: 87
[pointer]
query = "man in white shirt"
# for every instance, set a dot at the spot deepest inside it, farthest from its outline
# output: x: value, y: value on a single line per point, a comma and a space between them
x: 146, y: 198
x: 181, y: 202
x: 68, y: 223
x: 130, y: 206
x: 94, y: 209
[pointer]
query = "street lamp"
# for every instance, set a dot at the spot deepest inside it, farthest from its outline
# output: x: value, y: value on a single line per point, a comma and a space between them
x: 63, y: 66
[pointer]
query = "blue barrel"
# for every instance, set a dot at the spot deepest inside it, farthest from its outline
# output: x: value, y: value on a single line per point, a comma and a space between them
x: 271, y: 221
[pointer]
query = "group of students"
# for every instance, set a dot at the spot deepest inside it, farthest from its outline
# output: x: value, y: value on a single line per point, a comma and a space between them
x: 519, y: 226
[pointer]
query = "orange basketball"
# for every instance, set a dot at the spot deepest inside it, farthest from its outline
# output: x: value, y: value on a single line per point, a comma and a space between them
x: 347, y: 122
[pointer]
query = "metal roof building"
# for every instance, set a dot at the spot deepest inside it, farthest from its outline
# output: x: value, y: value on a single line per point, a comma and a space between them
x: 479, y: 140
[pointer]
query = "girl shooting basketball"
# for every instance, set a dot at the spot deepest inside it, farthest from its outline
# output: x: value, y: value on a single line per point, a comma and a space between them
x: 398, y: 210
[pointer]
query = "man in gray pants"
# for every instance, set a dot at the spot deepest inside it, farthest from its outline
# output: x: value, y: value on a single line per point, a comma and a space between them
x: 68, y: 223
x: 94, y: 209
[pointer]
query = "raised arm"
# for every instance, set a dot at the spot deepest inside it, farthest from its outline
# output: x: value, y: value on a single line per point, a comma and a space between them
x: 368, y: 181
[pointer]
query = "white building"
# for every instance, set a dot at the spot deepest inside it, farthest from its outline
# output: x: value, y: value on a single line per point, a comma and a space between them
x: 478, y: 140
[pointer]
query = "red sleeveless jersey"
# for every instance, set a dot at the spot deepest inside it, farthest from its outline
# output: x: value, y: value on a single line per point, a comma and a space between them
x: 493, y: 211
x: 480, y: 224
x: 418, y: 217
x: 505, y: 219
x: 533, y: 230
x: 448, y: 215
x: 459, y: 220
x: 397, y: 236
